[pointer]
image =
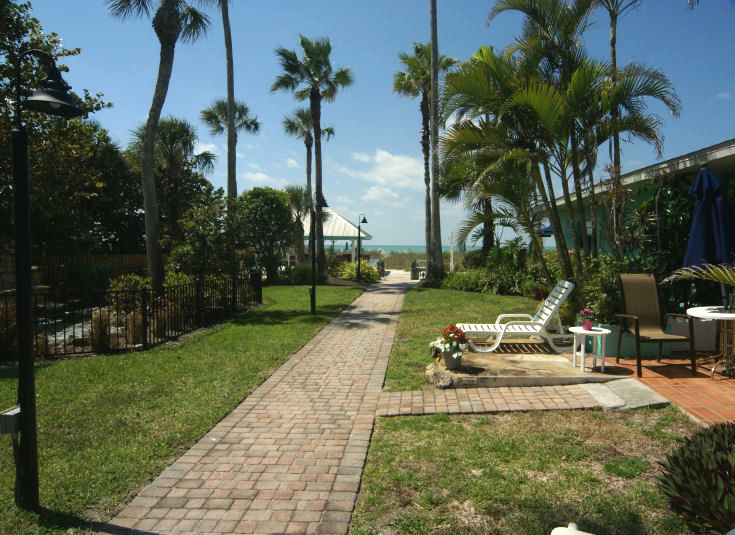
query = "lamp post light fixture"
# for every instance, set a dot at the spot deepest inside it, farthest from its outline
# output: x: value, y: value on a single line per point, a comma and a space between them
x: 51, y: 97
x: 360, y: 221
x: 321, y: 203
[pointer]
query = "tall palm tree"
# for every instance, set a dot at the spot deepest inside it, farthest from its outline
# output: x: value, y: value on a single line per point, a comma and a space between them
x: 172, y: 19
x: 215, y: 117
x: 435, y: 263
x: 616, y: 8
x: 174, y: 154
x: 319, y: 81
x: 300, y: 125
x: 415, y: 81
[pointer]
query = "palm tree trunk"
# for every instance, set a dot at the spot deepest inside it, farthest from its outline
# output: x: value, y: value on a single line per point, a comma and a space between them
x: 308, y: 143
x: 577, y: 176
x: 550, y: 202
x: 426, y: 149
x: 231, y: 134
x: 488, y: 231
x: 436, y: 269
x: 570, y: 215
x: 315, y: 99
x: 167, y: 26
x: 617, y: 203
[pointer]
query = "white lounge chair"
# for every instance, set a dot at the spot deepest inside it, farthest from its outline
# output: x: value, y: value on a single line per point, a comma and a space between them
x: 527, y: 326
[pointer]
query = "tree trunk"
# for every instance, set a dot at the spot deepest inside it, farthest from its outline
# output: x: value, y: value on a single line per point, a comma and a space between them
x: 309, y: 142
x: 231, y: 134
x: 488, y: 231
x: 167, y: 26
x: 617, y: 203
x: 426, y: 149
x: 436, y: 268
x: 570, y: 215
x: 550, y: 202
x: 577, y: 176
x: 315, y: 99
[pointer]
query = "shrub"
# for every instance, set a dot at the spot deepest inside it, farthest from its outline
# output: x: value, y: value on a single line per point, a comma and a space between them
x: 348, y: 271
x: 176, y: 278
x: 301, y: 273
x: 473, y: 280
x: 699, y: 479
x: 473, y: 259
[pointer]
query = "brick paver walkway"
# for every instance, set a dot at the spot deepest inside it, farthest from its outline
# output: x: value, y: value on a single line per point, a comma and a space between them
x: 290, y: 457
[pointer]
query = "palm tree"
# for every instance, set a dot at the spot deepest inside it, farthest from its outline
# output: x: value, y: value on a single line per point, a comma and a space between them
x: 216, y: 118
x: 299, y: 200
x: 320, y: 81
x: 435, y: 263
x: 172, y: 19
x: 414, y: 82
x: 174, y: 154
x: 300, y: 125
x: 615, y: 8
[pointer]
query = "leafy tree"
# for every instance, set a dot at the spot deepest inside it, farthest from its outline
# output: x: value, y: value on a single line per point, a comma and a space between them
x: 414, y: 82
x: 172, y: 19
x: 83, y: 198
x: 320, y: 81
x: 264, y: 223
x: 215, y: 117
x: 300, y: 125
x: 203, y: 247
x: 174, y: 156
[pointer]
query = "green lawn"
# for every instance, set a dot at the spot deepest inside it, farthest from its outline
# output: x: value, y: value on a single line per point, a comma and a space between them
x: 519, y: 473
x: 108, y: 424
x: 426, y: 312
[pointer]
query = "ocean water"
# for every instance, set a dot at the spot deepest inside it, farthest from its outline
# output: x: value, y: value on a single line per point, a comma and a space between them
x: 421, y: 249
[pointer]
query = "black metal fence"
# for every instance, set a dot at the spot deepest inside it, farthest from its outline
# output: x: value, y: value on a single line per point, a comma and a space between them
x: 105, y: 322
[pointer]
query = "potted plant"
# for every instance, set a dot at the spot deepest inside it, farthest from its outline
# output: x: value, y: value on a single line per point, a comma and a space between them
x: 587, y: 316
x: 450, y: 345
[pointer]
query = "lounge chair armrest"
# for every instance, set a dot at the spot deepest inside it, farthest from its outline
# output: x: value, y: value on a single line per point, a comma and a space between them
x: 676, y: 315
x: 505, y: 316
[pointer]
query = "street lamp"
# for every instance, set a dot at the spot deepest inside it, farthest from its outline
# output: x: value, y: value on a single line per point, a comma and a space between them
x: 321, y: 203
x: 51, y: 97
x: 360, y: 221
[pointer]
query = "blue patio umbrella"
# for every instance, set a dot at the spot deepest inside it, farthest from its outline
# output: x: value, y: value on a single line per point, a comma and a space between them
x: 712, y: 237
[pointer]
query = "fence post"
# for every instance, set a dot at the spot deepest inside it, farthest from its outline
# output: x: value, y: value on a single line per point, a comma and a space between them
x: 256, y: 281
x: 144, y: 316
x: 198, y: 300
x: 414, y: 271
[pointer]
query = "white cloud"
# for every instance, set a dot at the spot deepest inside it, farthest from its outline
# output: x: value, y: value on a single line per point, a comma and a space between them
x: 725, y: 95
x: 239, y: 155
x: 201, y: 147
x: 344, y: 200
x: 386, y: 169
x: 291, y: 163
x: 252, y: 165
x: 261, y: 179
x: 384, y: 195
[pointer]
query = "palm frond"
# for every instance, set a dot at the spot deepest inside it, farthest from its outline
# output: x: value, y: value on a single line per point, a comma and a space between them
x: 722, y: 273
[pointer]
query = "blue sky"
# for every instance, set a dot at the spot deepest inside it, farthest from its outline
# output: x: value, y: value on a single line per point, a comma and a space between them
x: 373, y: 165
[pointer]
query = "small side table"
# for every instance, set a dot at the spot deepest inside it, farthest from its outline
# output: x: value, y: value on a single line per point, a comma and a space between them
x: 580, y: 336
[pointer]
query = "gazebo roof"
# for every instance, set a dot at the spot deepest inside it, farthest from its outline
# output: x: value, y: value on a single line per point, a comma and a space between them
x: 336, y: 227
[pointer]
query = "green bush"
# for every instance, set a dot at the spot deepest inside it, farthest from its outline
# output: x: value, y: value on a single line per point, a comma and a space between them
x: 699, y: 479
x: 176, y: 278
x: 348, y: 271
x: 471, y: 280
x: 301, y: 273
x: 473, y: 259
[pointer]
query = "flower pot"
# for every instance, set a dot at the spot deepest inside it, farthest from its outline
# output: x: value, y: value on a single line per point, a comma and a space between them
x: 587, y: 325
x: 450, y: 362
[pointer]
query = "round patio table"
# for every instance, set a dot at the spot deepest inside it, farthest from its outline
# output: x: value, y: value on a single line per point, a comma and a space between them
x: 727, y: 334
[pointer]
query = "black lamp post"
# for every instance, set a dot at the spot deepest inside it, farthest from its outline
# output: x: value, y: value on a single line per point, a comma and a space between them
x: 51, y: 97
x: 360, y: 221
x: 321, y: 203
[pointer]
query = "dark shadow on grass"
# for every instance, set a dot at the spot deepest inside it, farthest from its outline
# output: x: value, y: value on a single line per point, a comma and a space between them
x: 63, y: 521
